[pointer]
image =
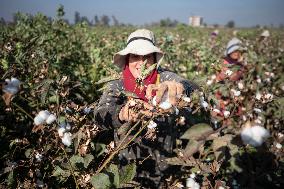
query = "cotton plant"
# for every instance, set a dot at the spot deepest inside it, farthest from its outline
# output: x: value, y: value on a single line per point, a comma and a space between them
x: 254, y: 135
x: 43, y: 117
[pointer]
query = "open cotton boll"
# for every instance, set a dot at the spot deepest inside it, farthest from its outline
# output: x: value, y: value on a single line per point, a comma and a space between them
x: 38, y: 120
x: 186, y: 99
x: 10, y: 89
x: 226, y: 114
x: 228, y: 72
x: 190, y: 183
x: 44, y: 114
x: 164, y: 104
x: 51, y: 118
x: 66, y: 139
x: 152, y: 125
x: 15, y: 82
x: 254, y: 136
x: 61, y: 131
x: 13, y: 85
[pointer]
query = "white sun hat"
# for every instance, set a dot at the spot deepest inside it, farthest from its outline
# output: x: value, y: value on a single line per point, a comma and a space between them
x: 233, y: 45
x: 140, y: 42
x: 265, y: 33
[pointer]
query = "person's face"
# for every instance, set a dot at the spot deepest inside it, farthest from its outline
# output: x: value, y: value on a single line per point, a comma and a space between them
x: 136, y: 61
x: 236, y: 55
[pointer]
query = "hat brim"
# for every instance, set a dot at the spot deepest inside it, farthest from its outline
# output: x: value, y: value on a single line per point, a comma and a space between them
x: 233, y: 49
x: 138, y: 47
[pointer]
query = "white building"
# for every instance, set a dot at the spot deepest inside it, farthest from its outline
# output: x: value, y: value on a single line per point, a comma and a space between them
x: 195, y: 21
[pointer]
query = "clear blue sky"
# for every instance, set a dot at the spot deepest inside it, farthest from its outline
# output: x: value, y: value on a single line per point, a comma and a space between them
x: 138, y: 12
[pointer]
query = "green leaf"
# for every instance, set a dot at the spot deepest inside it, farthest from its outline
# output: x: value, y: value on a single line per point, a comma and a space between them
x: 100, y: 149
x: 146, y: 72
x: 88, y: 159
x: 127, y: 174
x: 115, y: 174
x: 192, y: 147
x: 28, y: 152
x: 197, y: 132
x: 77, y: 161
x: 219, y: 146
x: 101, y: 181
x: 11, y: 179
x: 60, y: 173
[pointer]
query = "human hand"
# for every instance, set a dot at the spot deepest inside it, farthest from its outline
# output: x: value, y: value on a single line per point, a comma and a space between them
x: 133, y: 109
x: 173, y: 88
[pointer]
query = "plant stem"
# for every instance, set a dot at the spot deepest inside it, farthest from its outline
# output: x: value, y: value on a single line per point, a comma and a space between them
x: 118, y: 148
x: 20, y: 108
x: 72, y: 170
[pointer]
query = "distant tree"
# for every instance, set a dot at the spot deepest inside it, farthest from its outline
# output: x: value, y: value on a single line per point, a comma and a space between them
x: 105, y: 20
x: 96, y: 20
x: 257, y: 26
x: 115, y: 21
x: 216, y: 25
x: 60, y: 11
x: 86, y: 20
x: 230, y: 24
x: 168, y: 22
x: 77, y: 18
x: 2, y: 21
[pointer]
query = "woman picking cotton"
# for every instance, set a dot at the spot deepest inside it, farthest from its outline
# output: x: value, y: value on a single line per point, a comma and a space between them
x: 142, y: 76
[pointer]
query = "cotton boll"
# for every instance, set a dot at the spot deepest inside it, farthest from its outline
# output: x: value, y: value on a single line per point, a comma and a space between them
x: 38, y: 157
x: 235, y: 92
x: 15, y: 82
x: 68, y: 126
x: 66, y: 139
x: 164, y: 104
x: 216, y: 110
x: 190, y: 183
x: 257, y: 110
x: 240, y: 85
x: 204, y: 104
x: 228, y: 72
x: 12, y: 86
x: 51, y: 118
x: 61, y: 131
x: 258, y: 96
x: 255, y: 135
x: 38, y: 120
x: 10, y: 89
x: 152, y: 125
x: 176, y: 111
x: 278, y: 145
x: 44, y: 114
x: 209, y: 82
x: 246, y: 135
x: 192, y: 175
x: 226, y: 114
x: 186, y: 99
